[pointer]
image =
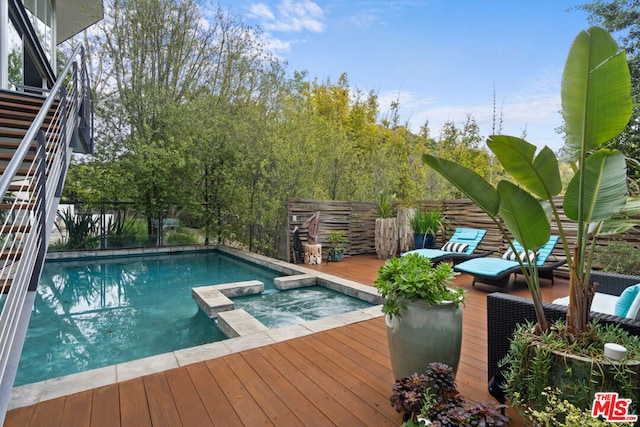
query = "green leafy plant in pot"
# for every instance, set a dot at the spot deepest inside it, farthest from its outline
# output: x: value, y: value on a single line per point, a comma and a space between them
x: 425, y: 225
x: 423, y: 313
x: 337, y: 242
x: 596, y: 107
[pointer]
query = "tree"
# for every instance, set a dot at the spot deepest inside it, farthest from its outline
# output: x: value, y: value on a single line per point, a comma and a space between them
x: 153, y: 55
x: 460, y: 145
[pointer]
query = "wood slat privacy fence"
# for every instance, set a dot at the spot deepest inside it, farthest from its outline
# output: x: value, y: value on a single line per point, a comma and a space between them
x: 358, y: 219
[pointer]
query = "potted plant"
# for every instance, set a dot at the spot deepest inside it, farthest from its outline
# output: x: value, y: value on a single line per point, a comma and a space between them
x: 596, y: 107
x: 432, y: 398
x: 386, y: 231
x: 423, y: 313
x: 337, y: 243
x: 425, y: 225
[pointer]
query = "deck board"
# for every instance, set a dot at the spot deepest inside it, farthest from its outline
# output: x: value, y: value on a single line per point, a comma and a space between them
x: 297, y: 402
x: 271, y: 404
x: 105, y: 409
x: 134, y: 410
x: 218, y: 408
x: 77, y: 410
x: 162, y: 406
x: 188, y: 404
x: 236, y: 392
x: 338, y: 377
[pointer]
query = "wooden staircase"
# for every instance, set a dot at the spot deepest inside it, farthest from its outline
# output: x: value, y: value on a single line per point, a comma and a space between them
x: 17, y: 113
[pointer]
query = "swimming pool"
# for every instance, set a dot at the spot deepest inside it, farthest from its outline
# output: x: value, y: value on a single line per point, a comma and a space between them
x: 98, y: 312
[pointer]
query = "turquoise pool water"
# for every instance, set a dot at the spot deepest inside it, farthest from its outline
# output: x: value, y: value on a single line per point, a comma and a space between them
x: 99, y: 312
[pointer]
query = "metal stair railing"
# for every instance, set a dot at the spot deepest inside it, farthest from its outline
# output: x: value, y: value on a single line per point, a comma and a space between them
x: 30, y: 188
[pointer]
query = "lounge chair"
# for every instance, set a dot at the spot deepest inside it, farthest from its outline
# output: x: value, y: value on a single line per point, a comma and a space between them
x: 497, y: 271
x: 460, y: 247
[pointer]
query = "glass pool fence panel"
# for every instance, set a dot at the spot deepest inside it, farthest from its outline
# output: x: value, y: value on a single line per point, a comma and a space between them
x: 83, y: 226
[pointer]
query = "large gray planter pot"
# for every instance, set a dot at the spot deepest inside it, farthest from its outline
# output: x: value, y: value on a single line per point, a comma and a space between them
x: 422, y: 334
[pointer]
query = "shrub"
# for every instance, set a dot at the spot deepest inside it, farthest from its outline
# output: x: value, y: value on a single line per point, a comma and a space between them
x: 619, y: 257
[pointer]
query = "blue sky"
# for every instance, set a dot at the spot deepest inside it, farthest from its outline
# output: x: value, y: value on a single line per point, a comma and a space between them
x: 442, y: 59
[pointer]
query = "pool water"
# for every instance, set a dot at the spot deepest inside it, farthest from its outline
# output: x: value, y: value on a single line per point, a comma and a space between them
x: 297, y: 305
x: 94, y: 313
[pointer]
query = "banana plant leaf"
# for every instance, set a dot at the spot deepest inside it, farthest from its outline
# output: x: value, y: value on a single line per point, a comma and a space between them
x: 596, y: 85
x: 524, y: 216
x: 539, y: 174
x: 623, y: 221
x: 470, y: 183
x: 605, y: 191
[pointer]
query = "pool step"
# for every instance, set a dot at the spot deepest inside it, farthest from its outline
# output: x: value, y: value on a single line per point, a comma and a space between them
x: 237, y: 323
x: 211, y: 301
x: 215, y: 298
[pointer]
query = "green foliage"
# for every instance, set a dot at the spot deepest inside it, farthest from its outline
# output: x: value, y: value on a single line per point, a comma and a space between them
x: 181, y: 236
x: 338, y: 239
x: 558, y: 412
x: 120, y: 230
x: 15, y: 67
x: 621, y: 17
x: 618, y: 256
x: 193, y: 110
x: 427, y: 221
x: 384, y: 203
x: 596, y: 107
x: 530, y: 358
x: 414, y: 278
x: 80, y: 230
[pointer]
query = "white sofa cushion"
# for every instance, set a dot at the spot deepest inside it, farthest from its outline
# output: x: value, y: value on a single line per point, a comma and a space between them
x: 602, y: 303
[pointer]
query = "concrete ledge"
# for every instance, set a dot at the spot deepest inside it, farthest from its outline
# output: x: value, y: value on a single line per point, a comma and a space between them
x: 237, y: 323
x: 238, y: 289
x: 295, y: 281
x: 215, y: 298
x: 211, y: 300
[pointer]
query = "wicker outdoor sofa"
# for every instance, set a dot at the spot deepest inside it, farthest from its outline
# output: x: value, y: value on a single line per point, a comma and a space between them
x: 505, y: 311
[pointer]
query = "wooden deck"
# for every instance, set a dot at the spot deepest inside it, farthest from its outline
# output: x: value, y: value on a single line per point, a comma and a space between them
x: 338, y: 377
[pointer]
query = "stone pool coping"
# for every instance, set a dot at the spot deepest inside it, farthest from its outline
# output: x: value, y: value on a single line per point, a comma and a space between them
x: 31, y: 394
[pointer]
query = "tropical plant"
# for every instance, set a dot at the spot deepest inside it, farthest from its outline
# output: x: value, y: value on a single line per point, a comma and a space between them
x: 80, y: 230
x: 433, y: 396
x: 119, y: 229
x: 596, y: 106
x: 413, y: 277
x: 427, y: 221
x: 384, y: 204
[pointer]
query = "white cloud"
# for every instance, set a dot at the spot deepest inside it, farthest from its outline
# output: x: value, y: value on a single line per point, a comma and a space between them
x: 290, y: 16
x: 261, y: 11
x: 275, y: 45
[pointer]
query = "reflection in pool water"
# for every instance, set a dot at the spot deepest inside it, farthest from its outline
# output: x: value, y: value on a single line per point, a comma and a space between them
x: 99, y: 312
